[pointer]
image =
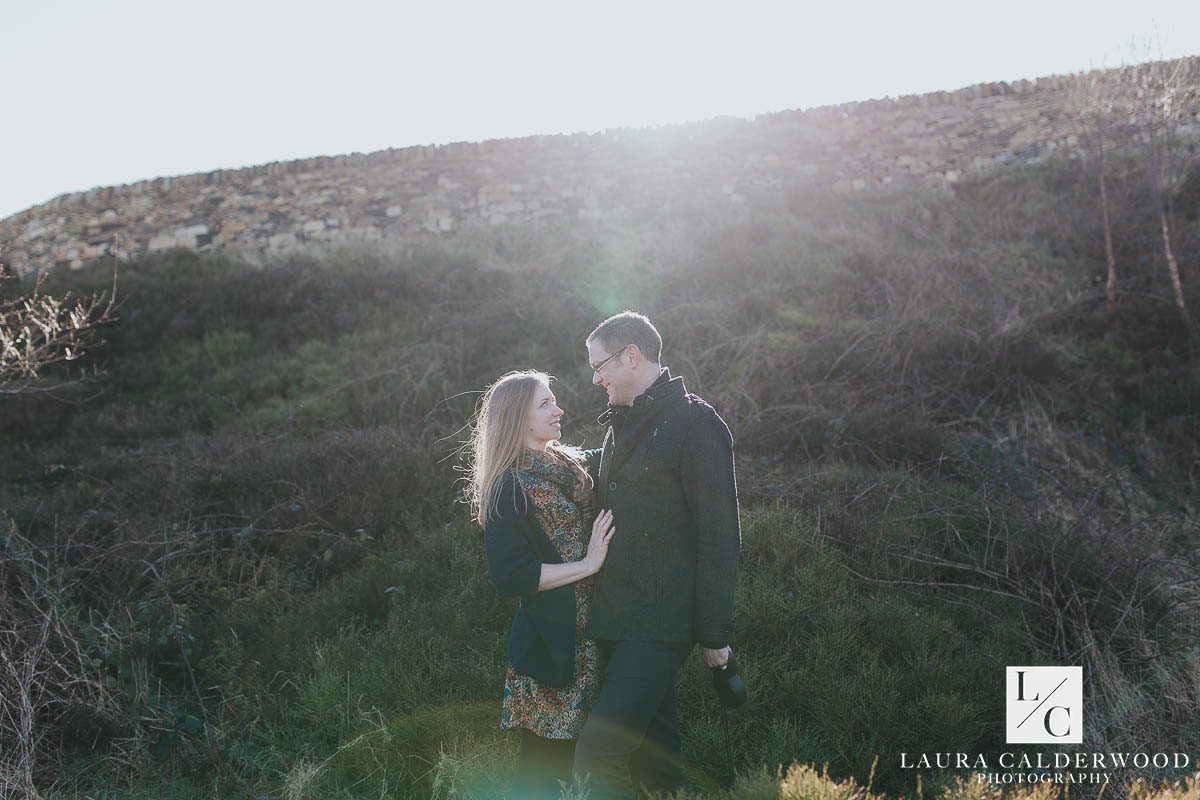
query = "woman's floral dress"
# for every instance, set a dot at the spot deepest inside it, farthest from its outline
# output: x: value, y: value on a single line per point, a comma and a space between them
x: 563, y: 506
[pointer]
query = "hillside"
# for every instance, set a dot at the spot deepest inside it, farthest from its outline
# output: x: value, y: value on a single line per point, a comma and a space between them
x: 245, y: 538
x: 931, y: 140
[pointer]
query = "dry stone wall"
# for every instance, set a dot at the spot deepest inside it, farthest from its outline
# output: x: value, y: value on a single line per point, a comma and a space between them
x: 930, y: 140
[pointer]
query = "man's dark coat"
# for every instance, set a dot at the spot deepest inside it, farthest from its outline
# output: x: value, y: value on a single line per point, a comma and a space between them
x: 666, y: 471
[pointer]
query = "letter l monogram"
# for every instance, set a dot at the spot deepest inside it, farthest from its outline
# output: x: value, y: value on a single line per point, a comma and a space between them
x: 1021, y: 686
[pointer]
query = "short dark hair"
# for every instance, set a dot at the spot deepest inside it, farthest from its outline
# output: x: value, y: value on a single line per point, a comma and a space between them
x: 626, y: 328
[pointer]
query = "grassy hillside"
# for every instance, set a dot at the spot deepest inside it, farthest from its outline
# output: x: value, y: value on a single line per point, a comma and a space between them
x: 236, y: 566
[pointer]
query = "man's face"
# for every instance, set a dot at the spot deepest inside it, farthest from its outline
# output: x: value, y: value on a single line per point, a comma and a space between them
x: 615, y: 373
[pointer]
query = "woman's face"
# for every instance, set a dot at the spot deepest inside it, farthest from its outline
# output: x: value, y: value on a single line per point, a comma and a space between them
x: 543, y: 423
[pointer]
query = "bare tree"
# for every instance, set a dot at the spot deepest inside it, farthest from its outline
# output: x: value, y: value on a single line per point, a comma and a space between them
x: 1092, y: 104
x: 51, y: 666
x: 1163, y: 108
x: 44, y: 669
x: 38, y: 330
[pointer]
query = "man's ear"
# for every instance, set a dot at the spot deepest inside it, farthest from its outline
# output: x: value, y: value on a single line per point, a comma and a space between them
x: 635, y: 355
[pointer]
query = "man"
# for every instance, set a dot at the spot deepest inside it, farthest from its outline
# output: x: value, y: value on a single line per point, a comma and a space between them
x: 666, y: 472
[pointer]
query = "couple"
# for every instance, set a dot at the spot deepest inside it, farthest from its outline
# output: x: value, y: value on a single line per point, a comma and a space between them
x: 612, y: 602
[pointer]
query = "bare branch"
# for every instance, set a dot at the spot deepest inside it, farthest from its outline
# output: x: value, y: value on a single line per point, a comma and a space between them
x: 38, y: 330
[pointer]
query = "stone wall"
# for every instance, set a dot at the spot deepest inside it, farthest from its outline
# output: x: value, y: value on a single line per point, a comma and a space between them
x: 929, y: 140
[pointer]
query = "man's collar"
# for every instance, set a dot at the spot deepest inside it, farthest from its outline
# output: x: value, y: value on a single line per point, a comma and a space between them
x: 664, y: 386
x: 661, y: 387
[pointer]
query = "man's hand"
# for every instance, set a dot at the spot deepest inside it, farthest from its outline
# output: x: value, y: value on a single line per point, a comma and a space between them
x: 716, y: 658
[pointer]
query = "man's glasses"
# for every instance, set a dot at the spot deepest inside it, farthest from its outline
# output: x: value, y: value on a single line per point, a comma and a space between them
x: 602, y: 364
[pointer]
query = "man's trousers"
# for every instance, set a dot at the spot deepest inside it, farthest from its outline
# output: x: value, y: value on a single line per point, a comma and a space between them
x: 631, y: 736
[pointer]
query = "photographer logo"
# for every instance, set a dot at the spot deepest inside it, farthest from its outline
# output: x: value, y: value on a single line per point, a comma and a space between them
x: 1044, y: 704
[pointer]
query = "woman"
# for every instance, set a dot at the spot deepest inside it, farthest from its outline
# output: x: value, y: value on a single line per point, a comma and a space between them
x: 534, y: 499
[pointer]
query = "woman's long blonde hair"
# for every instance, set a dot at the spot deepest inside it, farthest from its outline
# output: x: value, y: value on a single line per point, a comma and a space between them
x: 497, y: 438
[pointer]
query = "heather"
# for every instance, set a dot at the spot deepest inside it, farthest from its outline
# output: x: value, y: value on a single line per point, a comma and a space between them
x: 234, y: 563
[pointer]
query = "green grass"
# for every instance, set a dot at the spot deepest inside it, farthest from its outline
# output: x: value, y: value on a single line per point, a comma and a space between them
x: 946, y: 466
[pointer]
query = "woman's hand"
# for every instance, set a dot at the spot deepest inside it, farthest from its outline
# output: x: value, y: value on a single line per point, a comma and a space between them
x: 602, y: 531
x: 554, y: 575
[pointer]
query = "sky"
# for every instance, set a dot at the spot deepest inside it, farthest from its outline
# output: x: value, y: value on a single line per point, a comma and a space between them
x: 103, y: 92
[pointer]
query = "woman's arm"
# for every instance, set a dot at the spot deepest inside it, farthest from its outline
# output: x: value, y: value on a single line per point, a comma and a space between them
x: 555, y: 575
x: 514, y: 567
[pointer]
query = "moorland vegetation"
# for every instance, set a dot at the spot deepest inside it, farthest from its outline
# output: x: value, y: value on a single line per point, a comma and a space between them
x: 234, y: 564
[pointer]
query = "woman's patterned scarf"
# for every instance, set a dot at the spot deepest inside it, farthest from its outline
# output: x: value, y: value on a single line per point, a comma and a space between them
x: 550, y: 466
x: 561, y: 502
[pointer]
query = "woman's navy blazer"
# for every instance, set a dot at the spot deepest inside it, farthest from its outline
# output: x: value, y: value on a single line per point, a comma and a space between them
x: 542, y: 642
